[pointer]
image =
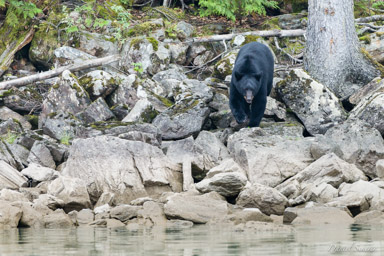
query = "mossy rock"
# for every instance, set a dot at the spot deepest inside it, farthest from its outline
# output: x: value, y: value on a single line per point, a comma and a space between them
x: 145, y: 28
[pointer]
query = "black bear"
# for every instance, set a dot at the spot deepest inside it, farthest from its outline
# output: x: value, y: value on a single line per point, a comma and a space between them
x: 251, y: 83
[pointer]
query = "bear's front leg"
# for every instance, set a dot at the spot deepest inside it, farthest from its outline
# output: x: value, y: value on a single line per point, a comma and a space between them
x: 239, y: 107
x: 257, y: 109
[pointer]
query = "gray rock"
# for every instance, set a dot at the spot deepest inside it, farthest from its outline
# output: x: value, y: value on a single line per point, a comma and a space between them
x: 185, y: 28
x: 267, y: 199
x: 182, y: 119
x: 124, y: 168
x: 353, y: 142
x: 97, y: 45
x: 30, y: 217
x: 41, y: 155
x: 38, y: 173
x: 275, y: 109
x: 178, y: 52
x: 270, y: 156
x: 227, y: 165
x: 317, y: 216
x: 65, y: 97
x: 329, y: 169
x: 49, y: 201
x: 227, y: 184
x: 314, y: 104
x: 372, y: 87
x: 224, y: 67
x: 125, y: 95
x: 19, y: 153
x: 9, y: 128
x: 72, y: 191
x: 98, y: 83
x: 97, y: 111
x: 9, y: 215
x: 6, y: 113
x: 374, y: 46
x: 66, y: 55
x: 198, y: 89
x: 169, y: 74
x: 26, y: 99
x: 380, y: 168
x: 196, y: 208
x: 179, y: 224
x: 143, y: 111
x: 125, y: 212
x: 371, y: 110
x: 293, y: 21
x: 10, y: 177
x: 371, y: 217
x: 12, y: 196
x: 61, y: 127
x: 249, y: 214
x: 154, y: 212
x: 57, y: 219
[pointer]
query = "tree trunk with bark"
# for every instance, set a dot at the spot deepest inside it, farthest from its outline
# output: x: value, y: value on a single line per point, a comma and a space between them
x: 333, y: 55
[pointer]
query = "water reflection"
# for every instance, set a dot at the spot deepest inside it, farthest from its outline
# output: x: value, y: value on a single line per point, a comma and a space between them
x: 198, y: 240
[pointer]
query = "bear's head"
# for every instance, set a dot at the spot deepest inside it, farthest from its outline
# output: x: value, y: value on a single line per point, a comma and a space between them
x: 248, y: 85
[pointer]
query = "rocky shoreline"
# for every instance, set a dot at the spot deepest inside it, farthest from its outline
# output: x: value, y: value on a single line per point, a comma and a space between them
x: 123, y: 146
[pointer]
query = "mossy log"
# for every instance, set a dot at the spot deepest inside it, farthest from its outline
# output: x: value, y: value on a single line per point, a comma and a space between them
x: 6, y: 57
x: 56, y: 72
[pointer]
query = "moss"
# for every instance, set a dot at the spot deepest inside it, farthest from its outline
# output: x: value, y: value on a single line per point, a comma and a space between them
x: 366, y: 39
x: 377, y: 65
x: 272, y: 23
x: 104, y: 125
x: 33, y: 120
x: 379, y: 34
x: 164, y: 100
x: 143, y: 29
x: 135, y: 43
x: 184, y: 108
x: 251, y: 38
x: 56, y: 86
x: 148, y: 115
x: 6, y: 93
x: 154, y: 42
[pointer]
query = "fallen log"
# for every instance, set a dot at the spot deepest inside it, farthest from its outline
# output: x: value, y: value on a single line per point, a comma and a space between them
x: 6, y: 57
x: 18, y: 82
x: 262, y: 33
x: 370, y: 19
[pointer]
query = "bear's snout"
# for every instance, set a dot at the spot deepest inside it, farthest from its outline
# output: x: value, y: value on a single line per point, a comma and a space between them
x: 248, y: 96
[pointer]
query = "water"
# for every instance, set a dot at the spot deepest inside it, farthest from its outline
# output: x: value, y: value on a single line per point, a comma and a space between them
x: 195, y: 241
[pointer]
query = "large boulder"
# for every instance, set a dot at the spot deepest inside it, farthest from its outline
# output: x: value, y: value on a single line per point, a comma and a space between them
x: 196, y: 208
x: 314, y: 104
x: 10, y: 177
x: 271, y: 155
x: 267, y: 199
x: 9, y: 215
x: 127, y: 169
x: 98, y: 83
x: 227, y: 184
x: 317, y: 216
x: 353, y: 142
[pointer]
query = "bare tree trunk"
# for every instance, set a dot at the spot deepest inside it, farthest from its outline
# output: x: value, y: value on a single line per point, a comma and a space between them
x: 166, y: 3
x: 333, y: 55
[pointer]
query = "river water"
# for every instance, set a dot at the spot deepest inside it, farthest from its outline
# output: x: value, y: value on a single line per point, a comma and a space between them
x: 195, y: 241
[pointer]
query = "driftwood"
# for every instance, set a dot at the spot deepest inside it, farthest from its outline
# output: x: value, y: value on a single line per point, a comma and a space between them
x: 56, y: 72
x: 6, y: 57
x: 262, y: 33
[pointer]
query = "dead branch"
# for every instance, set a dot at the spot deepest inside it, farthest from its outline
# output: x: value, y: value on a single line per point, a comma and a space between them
x: 293, y: 58
x: 370, y: 19
x: 56, y: 72
x: 262, y: 33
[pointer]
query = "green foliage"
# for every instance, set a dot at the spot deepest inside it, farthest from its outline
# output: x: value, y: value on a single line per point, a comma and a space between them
x: 367, y: 7
x: 138, y: 67
x: 10, y: 137
x: 234, y: 9
x: 19, y: 10
x: 66, y: 138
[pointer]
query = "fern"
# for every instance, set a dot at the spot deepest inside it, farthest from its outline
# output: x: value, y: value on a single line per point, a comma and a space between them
x: 233, y: 9
x: 19, y: 11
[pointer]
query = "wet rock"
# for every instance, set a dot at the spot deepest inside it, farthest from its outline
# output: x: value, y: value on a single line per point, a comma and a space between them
x: 249, y: 214
x: 154, y: 212
x: 57, y: 219
x: 196, y: 208
x: 98, y: 83
x: 41, y: 155
x: 97, y: 111
x: 83, y: 217
x: 353, y: 142
x: 109, y: 223
x: 317, y: 216
x: 38, y: 173
x: 72, y: 191
x: 179, y: 224
x: 182, y: 119
x: 226, y: 184
x: 270, y: 155
x: 10, y: 177
x: 267, y: 199
x: 30, y: 217
x: 124, y: 168
x: 6, y: 113
x: 9, y: 215
x: 125, y: 212
x: 314, y: 104
x: 371, y: 217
